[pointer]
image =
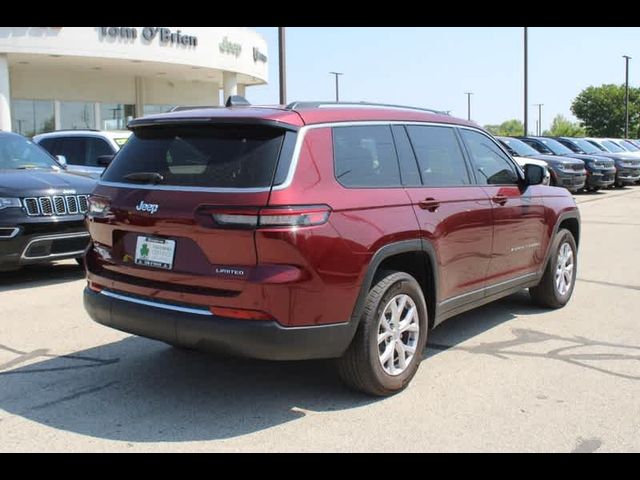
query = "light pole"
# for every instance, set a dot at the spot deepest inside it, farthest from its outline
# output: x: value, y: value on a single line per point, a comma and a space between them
x: 526, y: 100
x: 539, y: 105
x: 468, y: 94
x: 626, y: 95
x: 282, y: 66
x: 337, y: 87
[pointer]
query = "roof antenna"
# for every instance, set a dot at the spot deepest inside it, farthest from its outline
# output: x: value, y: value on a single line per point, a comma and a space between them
x: 236, y: 101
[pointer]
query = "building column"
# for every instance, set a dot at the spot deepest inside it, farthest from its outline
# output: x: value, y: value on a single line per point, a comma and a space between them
x: 241, y: 90
x: 5, y: 95
x: 57, y: 118
x: 230, y: 85
x: 139, y: 86
x: 97, y: 112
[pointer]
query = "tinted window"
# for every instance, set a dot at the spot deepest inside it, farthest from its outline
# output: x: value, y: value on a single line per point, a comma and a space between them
x: 555, y: 146
x: 365, y: 157
x: 408, y: 166
x: 612, y: 146
x: 97, y: 147
x: 201, y: 156
x: 571, y: 146
x: 587, y: 147
x: 492, y: 166
x: 539, y: 146
x: 48, y: 144
x: 73, y: 149
x: 439, y: 156
x: 518, y: 147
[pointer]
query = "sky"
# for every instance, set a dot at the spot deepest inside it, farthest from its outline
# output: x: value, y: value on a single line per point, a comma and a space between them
x: 434, y: 67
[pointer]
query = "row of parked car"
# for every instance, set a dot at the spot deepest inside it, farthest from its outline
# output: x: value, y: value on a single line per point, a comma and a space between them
x: 580, y: 163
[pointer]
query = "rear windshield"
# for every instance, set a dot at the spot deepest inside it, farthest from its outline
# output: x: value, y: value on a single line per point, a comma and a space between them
x: 199, y: 156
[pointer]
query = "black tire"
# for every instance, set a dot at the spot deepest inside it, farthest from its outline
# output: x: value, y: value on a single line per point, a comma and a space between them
x: 545, y: 293
x: 360, y: 367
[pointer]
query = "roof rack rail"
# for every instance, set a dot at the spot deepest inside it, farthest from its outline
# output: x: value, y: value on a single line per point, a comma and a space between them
x: 180, y: 108
x: 299, y: 105
x: 74, y: 130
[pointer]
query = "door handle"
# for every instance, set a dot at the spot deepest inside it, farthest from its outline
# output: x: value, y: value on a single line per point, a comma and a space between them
x: 500, y: 199
x: 430, y: 204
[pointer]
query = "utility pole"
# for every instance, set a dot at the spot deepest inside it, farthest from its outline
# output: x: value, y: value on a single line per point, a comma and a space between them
x: 539, y: 105
x: 282, y: 66
x: 337, y: 86
x: 626, y: 96
x: 526, y: 100
x: 468, y: 94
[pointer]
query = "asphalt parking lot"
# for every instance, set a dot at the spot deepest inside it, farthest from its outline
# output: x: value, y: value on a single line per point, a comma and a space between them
x: 506, y: 377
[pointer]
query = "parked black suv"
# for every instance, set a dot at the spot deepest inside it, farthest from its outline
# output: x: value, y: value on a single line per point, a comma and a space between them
x: 601, y: 171
x: 565, y: 172
x: 42, y: 207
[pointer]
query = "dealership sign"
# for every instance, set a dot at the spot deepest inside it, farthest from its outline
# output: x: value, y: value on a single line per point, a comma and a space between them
x: 163, y: 35
x: 230, y: 47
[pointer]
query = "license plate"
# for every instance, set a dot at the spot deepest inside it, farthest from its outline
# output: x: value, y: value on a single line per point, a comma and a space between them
x: 155, y: 252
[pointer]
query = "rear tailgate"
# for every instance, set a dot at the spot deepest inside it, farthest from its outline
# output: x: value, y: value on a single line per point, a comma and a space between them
x: 161, y: 197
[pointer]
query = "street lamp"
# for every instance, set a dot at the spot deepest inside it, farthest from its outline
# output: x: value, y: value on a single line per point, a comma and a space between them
x: 539, y: 105
x: 337, y: 87
x: 626, y: 95
x: 282, y: 66
x: 468, y: 94
x: 526, y: 101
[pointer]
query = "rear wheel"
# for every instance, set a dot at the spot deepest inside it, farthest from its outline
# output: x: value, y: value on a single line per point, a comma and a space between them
x: 386, y: 351
x: 558, y: 281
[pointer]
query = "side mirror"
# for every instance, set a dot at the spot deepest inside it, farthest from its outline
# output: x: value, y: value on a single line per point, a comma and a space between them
x: 62, y: 160
x: 104, y: 160
x: 533, y: 174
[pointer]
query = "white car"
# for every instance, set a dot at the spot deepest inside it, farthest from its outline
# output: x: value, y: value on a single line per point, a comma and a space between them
x: 611, y: 146
x: 522, y: 161
x: 84, y: 151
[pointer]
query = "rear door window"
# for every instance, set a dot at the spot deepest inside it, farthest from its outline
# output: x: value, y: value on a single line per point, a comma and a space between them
x: 439, y: 155
x: 365, y: 156
x: 216, y: 156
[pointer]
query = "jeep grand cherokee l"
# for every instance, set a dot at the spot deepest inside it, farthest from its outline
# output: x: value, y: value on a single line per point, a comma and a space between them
x: 600, y: 170
x: 319, y: 231
x: 565, y: 172
x: 627, y: 163
x: 41, y: 206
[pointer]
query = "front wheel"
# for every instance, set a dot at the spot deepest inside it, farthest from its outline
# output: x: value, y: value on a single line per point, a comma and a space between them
x: 387, y: 348
x: 559, y: 278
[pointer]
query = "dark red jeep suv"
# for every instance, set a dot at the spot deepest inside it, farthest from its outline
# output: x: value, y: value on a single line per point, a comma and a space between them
x: 319, y: 230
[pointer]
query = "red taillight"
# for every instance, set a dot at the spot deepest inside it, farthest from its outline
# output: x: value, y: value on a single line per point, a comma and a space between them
x: 292, y: 216
x: 240, y: 314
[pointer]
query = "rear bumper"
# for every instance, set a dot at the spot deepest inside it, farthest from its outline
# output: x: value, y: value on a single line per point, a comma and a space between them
x: 197, y: 328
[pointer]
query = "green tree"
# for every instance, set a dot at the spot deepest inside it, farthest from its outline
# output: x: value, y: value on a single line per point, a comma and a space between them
x: 561, y: 127
x: 601, y: 110
x: 510, y: 128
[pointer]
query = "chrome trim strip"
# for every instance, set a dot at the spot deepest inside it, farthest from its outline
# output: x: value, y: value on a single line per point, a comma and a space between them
x: 176, y: 188
x: 54, y: 237
x: 473, y: 292
x: 13, y: 233
x: 174, y: 308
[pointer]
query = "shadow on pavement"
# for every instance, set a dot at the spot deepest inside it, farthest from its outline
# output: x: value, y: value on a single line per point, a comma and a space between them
x: 139, y: 390
x: 40, y: 275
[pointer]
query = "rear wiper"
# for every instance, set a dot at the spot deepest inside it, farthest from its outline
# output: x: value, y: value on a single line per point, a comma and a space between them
x: 151, y: 177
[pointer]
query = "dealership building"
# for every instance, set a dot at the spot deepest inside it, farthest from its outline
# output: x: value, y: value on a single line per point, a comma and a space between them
x: 54, y: 78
